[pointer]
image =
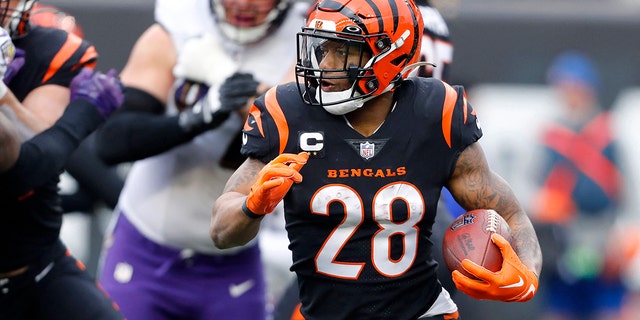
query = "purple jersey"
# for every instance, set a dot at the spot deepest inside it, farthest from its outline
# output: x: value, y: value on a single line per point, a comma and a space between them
x: 360, y: 221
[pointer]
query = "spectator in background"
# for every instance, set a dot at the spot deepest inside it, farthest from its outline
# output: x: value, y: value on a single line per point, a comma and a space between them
x: 189, y: 81
x: 576, y: 204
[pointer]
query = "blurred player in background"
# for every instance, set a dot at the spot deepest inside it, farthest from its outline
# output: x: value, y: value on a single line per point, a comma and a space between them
x: 39, y: 278
x: 577, y: 203
x: 359, y: 217
x: 88, y: 186
x: 98, y: 184
x: 189, y: 81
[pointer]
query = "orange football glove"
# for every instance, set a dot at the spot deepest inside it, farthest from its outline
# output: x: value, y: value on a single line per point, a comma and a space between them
x: 274, y: 181
x: 514, y: 282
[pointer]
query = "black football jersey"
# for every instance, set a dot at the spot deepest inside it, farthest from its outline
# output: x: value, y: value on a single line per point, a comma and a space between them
x: 53, y: 56
x: 31, y: 219
x: 359, y: 223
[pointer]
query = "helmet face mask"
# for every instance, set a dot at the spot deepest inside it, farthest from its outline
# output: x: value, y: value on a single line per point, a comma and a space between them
x: 388, y: 33
x: 15, y: 19
x: 250, y: 21
x: 350, y: 64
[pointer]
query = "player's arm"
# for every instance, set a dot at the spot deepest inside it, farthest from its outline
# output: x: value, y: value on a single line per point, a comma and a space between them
x: 150, y: 63
x: 140, y: 129
x: 141, y: 122
x: 49, y: 100
x: 229, y: 226
x: 253, y: 191
x: 94, y: 97
x: 474, y: 185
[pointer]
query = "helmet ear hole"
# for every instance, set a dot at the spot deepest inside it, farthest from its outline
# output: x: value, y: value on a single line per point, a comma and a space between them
x: 383, y: 43
x: 372, y: 84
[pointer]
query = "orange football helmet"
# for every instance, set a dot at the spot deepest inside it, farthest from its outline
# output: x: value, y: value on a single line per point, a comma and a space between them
x: 51, y: 16
x: 388, y: 31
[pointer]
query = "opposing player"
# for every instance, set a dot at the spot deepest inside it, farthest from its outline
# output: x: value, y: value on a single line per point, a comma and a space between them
x: 39, y: 278
x: 189, y: 82
x: 359, y: 154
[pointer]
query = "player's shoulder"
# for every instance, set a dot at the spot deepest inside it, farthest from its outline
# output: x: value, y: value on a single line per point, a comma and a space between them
x: 429, y: 96
x: 43, y: 37
x: 286, y: 95
x: 425, y: 88
x: 48, y: 41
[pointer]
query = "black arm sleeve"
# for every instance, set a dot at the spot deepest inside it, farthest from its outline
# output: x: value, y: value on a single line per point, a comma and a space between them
x: 44, y: 156
x: 129, y: 136
x: 136, y: 132
x: 93, y: 175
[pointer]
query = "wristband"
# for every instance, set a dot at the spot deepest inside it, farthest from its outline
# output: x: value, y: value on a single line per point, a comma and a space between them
x: 247, y: 212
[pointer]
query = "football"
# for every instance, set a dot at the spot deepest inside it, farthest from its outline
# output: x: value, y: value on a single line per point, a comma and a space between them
x: 469, y: 237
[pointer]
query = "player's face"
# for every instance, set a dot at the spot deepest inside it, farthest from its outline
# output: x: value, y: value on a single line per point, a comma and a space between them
x: 339, y: 55
x: 247, y: 13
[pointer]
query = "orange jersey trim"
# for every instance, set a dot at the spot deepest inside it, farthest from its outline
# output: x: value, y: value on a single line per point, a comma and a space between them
x: 274, y: 108
x: 90, y: 54
x: 68, y: 48
x: 296, y: 314
x: 447, y: 112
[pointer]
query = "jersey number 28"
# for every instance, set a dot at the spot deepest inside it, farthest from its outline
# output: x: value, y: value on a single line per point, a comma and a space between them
x: 382, y: 213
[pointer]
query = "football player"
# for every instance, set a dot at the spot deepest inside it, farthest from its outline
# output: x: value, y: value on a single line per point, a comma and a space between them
x: 39, y: 278
x: 189, y: 82
x: 359, y: 153
x: 437, y: 49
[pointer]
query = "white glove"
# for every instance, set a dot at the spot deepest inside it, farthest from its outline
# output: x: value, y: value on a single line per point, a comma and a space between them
x: 203, y: 59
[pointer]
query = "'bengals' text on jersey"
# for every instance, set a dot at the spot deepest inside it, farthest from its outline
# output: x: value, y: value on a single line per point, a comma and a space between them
x: 360, y: 221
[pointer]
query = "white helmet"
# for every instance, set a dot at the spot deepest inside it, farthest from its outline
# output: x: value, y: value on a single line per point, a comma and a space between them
x: 246, y: 35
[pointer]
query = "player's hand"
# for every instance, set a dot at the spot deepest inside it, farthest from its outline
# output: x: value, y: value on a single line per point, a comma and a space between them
x: 274, y: 181
x: 199, y: 107
x: 188, y: 93
x: 236, y: 90
x: 514, y: 282
x: 203, y: 59
x: 14, y: 66
x: 104, y: 91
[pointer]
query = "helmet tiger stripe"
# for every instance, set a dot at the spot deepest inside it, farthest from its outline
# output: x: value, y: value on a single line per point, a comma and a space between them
x: 391, y: 31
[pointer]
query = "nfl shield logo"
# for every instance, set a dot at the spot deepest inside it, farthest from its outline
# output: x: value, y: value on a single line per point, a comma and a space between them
x: 367, y: 150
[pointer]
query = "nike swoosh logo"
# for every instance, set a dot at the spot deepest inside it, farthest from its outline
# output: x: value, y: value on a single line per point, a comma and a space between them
x: 514, y: 285
x: 531, y: 290
x: 236, y: 290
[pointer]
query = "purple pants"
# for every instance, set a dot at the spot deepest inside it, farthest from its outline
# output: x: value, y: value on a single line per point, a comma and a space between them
x: 151, y: 281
